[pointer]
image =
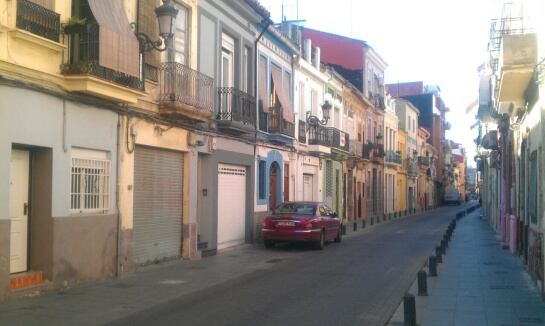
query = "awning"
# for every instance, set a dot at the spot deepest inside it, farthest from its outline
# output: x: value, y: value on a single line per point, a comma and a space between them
x: 283, y: 94
x: 118, y: 46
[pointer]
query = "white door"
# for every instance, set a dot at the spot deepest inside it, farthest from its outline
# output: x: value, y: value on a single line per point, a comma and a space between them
x: 231, y: 205
x: 18, y: 210
x: 308, y: 188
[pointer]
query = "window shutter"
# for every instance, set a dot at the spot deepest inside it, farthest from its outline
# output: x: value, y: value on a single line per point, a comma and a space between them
x: 532, y: 196
x: 147, y: 23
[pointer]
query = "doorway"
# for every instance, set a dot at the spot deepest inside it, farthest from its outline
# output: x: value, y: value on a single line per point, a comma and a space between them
x: 19, y: 210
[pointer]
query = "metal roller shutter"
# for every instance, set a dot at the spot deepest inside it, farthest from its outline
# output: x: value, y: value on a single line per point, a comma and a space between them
x: 231, y: 205
x: 158, y: 197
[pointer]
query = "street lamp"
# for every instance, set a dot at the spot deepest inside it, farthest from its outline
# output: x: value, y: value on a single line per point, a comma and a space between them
x: 314, y: 121
x: 166, y: 16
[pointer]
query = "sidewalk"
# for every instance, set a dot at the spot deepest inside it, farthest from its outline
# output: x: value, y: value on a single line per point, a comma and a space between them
x: 478, y: 283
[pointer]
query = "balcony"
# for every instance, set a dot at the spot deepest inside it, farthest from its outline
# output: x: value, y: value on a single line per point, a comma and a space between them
x: 423, y: 161
x: 339, y: 140
x: 368, y: 150
x: 38, y: 20
x: 318, y: 135
x: 236, y: 110
x: 273, y: 122
x: 518, y: 58
x: 185, y: 93
x: 83, y: 73
x: 356, y: 148
x: 302, y: 132
x: 378, y: 152
x: 393, y: 157
x: 412, y: 168
x: 377, y: 100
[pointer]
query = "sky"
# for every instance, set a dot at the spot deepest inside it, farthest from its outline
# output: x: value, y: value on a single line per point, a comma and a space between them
x: 435, y: 41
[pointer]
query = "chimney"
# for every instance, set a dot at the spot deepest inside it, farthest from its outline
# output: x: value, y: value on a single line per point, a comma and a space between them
x: 317, y: 57
x: 307, y: 50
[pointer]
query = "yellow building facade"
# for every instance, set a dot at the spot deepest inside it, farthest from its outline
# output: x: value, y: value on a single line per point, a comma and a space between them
x: 402, y: 171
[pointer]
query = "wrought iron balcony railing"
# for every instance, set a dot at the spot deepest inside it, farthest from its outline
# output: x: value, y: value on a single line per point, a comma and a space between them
x: 368, y: 150
x: 302, y: 132
x: 236, y: 105
x: 83, y: 59
x: 185, y: 91
x: 393, y: 157
x: 340, y: 140
x: 274, y: 123
x: 422, y: 160
x: 38, y: 20
x: 412, y: 168
x: 319, y: 135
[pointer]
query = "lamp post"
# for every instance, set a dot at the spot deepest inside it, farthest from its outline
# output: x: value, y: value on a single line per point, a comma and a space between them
x: 314, y: 121
x: 166, y: 16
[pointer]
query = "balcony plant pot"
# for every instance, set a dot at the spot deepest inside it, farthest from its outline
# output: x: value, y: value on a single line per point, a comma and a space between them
x: 75, y: 26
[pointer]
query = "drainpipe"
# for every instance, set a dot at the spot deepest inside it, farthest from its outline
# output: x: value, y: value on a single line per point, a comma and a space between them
x: 118, y: 213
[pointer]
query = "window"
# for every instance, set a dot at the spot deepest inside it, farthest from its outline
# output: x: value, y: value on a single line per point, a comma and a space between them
x: 301, y: 100
x: 300, y: 209
x: 261, y: 180
x: 180, y: 36
x: 90, y: 181
x: 314, y: 102
x: 246, y: 70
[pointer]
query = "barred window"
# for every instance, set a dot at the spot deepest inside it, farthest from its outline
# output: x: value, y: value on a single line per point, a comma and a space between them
x: 328, y: 178
x: 90, y: 182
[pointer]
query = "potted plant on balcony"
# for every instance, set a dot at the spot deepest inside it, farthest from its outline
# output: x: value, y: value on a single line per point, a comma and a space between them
x: 74, y: 25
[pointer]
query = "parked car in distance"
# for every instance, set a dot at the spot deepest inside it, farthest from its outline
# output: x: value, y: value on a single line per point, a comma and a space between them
x: 301, y: 221
x: 452, y: 196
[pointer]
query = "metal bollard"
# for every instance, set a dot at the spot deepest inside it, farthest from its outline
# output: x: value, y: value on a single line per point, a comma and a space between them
x: 355, y: 227
x: 363, y: 224
x: 439, y: 254
x: 343, y: 227
x: 409, y: 310
x: 422, y: 284
x: 432, y: 266
x: 372, y: 221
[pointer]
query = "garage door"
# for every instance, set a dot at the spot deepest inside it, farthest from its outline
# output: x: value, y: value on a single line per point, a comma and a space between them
x: 231, y: 205
x: 158, y: 184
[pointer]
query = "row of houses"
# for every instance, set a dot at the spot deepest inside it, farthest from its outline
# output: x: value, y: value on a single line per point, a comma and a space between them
x: 127, y: 141
x: 511, y: 132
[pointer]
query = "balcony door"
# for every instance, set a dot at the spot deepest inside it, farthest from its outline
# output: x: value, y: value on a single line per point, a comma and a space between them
x: 227, y: 69
x: 179, y: 51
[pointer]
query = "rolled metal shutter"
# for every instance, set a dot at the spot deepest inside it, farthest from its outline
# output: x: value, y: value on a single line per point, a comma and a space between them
x: 158, y: 197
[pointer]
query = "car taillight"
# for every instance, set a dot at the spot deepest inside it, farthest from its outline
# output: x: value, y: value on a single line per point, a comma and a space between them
x: 306, y: 224
x: 267, y: 223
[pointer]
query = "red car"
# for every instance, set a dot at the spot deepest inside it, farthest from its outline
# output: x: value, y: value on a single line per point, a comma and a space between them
x: 301, y: 221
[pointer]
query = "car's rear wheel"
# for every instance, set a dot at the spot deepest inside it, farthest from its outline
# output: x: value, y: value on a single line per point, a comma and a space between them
x: 321, y: 243
x: 339, y: 236
x: 269, y: 244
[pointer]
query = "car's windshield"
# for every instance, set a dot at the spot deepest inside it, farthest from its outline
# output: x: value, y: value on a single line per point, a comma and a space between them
x: 296, y: 208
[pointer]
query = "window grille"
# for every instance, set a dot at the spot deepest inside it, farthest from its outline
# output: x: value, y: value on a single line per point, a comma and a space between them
x: 90, y: 185
x: 329, y: 178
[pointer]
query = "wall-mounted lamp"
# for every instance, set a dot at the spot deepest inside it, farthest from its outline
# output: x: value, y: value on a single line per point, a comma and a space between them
x: 314, y: 121
x: 166, y: 16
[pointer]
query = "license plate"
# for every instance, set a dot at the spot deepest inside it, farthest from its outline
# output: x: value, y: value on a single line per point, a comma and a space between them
x: 285, y: 223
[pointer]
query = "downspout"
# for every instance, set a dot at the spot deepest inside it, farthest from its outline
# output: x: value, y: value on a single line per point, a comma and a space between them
x: 118, y: 213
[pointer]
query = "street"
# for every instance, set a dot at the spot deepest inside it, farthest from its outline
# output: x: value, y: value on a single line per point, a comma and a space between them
x: 358, y: 282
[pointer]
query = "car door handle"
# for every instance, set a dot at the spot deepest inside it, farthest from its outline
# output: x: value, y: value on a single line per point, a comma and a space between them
x: 25, y: 209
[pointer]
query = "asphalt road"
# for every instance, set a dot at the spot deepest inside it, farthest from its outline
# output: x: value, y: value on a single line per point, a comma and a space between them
x: 358, y: 282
